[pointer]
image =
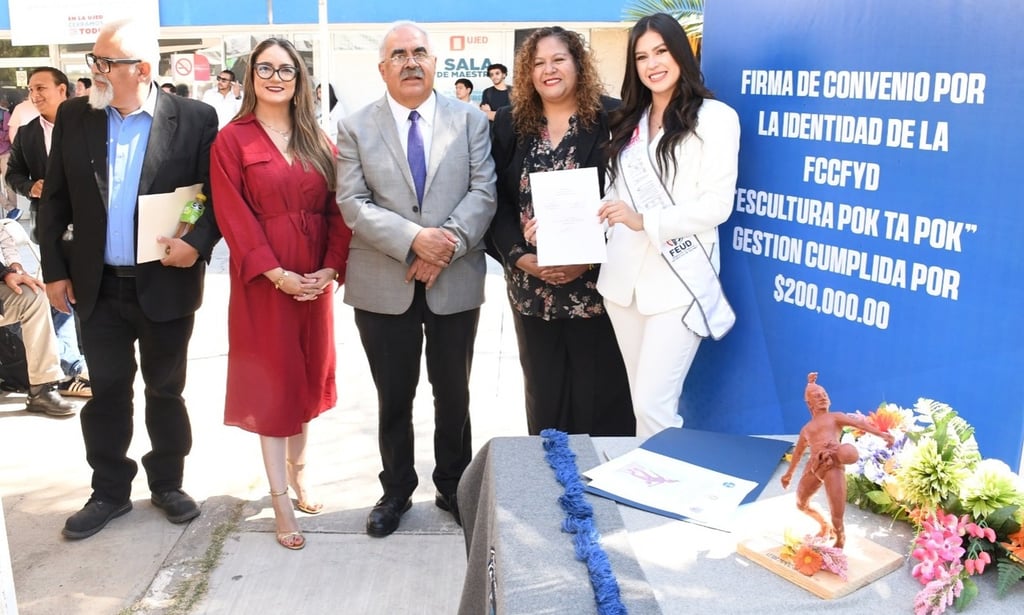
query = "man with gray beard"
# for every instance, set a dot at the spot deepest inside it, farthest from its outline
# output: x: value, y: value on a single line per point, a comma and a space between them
x: 127, y: 139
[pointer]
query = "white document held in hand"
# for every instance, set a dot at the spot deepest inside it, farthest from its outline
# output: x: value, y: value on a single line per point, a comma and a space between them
x: 158, y: 217
x: 565, y: 204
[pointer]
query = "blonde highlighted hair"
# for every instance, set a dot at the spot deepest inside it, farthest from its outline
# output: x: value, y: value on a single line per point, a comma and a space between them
x: 308, y: 142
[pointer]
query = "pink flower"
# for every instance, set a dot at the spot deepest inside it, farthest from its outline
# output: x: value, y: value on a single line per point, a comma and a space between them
x: 979, y: 563
x: 925, y: 571
x: 981, y: 532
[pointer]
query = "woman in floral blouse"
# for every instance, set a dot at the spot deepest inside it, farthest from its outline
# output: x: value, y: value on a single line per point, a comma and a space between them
x: 573, y: 373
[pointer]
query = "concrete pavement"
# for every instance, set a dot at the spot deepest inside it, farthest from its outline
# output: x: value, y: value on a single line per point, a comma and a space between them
x: 227, y: 561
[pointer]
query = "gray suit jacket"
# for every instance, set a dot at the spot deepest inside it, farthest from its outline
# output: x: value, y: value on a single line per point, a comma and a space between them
x: 378, y: 201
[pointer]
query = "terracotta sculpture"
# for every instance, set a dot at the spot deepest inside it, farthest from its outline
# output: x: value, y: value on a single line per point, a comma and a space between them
x: 827, y: 459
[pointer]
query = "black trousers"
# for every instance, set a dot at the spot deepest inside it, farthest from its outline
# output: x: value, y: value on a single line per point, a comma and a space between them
x: 573, y: 376
x: 393, y: 345
x: 109, y: 337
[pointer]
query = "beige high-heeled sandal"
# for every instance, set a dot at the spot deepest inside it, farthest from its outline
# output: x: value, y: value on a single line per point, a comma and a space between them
x: 310, y: 508
x: 289, y: 540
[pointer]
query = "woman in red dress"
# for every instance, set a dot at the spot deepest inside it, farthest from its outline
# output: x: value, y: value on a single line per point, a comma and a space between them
x: 273, y: 179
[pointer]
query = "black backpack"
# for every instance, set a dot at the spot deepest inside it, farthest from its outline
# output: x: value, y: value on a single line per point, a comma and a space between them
x: 13, y: 366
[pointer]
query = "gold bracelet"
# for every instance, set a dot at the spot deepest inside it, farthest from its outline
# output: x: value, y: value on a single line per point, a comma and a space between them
x: 280, y: 280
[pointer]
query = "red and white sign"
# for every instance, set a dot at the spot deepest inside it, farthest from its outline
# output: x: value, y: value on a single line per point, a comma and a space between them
x: 47, y: 22
x: 182, y: 65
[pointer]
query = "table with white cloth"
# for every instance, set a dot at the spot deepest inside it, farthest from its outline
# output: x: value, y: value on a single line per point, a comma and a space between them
x: 520, y: 561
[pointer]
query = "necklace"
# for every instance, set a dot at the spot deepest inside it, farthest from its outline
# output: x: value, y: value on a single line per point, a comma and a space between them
x: 283, y: 133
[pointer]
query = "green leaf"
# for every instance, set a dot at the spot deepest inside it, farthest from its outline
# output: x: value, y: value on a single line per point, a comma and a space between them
x: 1009, y: 573
x: 939, y: 436
x: 880, y: 498
x: 689, y: 13
x: 967, y: 596
x: 951, y: 504
x: 997, y: 519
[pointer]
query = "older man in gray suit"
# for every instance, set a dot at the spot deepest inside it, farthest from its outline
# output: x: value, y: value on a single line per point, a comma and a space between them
x: 416, y: 184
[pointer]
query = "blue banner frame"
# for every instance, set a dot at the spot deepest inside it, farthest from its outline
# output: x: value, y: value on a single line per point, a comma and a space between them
x: 902, y: 121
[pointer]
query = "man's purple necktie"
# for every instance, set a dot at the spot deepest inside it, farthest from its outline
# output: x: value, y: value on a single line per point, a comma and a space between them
x: 417, y: 159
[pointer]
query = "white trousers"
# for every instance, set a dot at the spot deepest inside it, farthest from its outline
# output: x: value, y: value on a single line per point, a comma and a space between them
x: 33, y: 312
x: 658, y: 350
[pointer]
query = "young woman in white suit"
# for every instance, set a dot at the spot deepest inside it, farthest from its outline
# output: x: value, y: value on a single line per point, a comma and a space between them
x: 672, y: 175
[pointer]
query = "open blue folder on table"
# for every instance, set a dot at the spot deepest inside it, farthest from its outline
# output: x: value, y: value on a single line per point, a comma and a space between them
x: 749, y: 457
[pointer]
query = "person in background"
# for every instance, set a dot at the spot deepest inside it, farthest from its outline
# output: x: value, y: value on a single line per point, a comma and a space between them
x: 464, y: 90
x: 273, y: 175
x: 573, y: 375
x: 23, y: 300
x: 416, y: 268
x: 8, y: 198
x: 168, y: 88
x: 48, y: 88
x: 496, y: 96
x: 182, y: 90
x: 22, y: 114
x: 82, y: 86
x: 673, y: 163
x: 143, y: 142
x: 336, y: 110
x: 226, y: 98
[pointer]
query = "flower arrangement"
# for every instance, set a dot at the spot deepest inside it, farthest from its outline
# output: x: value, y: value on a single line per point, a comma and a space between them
x: 811, y: 554
x: 967, y: 510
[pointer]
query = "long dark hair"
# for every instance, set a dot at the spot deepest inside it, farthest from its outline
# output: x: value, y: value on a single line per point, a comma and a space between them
x: 680, y: 117
x: 308, y: 142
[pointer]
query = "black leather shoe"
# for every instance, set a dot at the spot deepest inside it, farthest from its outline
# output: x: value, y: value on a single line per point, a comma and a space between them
x: 386, y: 514
x: 44, y: 398
x: 93, y: 517
x: 450, y: 503
x: 178, y: 505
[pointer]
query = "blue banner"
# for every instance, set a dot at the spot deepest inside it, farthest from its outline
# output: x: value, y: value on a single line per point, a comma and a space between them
x: 874, y: 227
x: 295, y: 12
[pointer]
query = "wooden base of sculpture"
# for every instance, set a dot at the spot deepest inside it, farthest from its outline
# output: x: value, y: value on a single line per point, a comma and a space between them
x: 866, y: 560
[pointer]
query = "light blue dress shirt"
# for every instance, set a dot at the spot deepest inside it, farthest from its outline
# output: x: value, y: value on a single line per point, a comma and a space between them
x: 127, y: 138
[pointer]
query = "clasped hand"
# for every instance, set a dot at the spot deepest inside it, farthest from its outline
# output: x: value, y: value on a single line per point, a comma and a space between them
x: 556, y: 275
x: 561, y: 274
x: 309, y: 286
x: 435, y: 250
x: 435, y: 246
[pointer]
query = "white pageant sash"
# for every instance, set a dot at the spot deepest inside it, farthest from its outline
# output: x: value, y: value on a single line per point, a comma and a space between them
x: 710, y: 315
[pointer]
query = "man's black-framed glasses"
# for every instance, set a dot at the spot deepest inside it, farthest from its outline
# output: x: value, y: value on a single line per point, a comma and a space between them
x: 284, y: 73
x: 104, y: 65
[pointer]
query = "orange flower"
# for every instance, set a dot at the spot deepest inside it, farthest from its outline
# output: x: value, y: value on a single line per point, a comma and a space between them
x: 807, y: 561
x: 885, y: 419
x: 1016, y: 544
x: 919, y: 515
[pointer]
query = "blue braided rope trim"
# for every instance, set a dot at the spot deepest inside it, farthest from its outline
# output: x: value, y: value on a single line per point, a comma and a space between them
x: 579, y: 521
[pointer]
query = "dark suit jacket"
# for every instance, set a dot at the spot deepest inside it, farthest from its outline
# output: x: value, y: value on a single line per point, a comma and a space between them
x: 28, y: 159
x: 508, y: 152
x: 76, y: 192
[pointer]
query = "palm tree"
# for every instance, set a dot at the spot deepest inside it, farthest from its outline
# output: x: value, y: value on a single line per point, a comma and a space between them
x: 689, y: 13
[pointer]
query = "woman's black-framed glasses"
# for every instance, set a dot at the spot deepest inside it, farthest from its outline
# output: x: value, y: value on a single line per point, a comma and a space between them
x: 104, y: 65
x: 284, y: 73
